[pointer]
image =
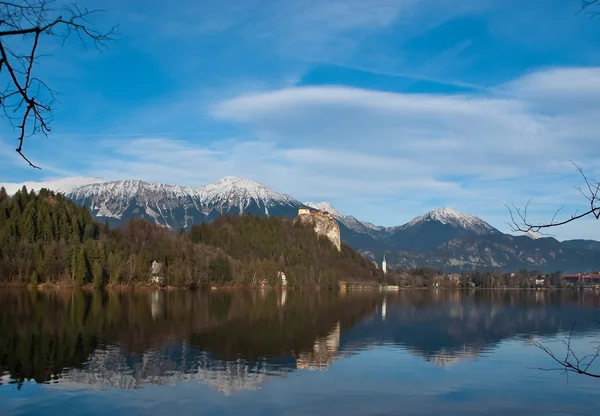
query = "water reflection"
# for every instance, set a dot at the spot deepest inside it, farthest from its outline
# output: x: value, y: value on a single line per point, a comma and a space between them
x: 239, y: 340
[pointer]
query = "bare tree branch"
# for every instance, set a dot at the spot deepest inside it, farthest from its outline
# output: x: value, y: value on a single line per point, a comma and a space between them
x: 571, y: 363
x: 521, y: 223
x: 590, y: 6
x: 27, y: 101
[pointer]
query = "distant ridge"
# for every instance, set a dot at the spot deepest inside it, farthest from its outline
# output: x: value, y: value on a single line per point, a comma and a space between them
x: 443, y: 238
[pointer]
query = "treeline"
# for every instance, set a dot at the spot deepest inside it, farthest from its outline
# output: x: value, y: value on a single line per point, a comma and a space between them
x: 47, y: 238
x: 422, y: 277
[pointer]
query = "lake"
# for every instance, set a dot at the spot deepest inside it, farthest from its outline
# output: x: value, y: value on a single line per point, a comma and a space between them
x: 294, y: 353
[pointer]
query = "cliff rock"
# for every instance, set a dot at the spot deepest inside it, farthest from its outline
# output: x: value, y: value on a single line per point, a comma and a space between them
x: 323, y: 223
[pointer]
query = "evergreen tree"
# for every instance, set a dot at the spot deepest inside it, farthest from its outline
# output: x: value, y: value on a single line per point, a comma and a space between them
x: 81, y: 267
x: 115, y: 268
x: 98, y: 274
x: 3, y: 195
x: 220, y: 269
x: 27, y: 222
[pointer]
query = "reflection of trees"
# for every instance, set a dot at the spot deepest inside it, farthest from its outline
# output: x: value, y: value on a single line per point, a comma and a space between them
x: 237, y: 340
x: 44, y: 333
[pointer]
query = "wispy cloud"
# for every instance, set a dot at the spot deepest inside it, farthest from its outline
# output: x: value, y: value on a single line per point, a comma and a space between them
x: 386, y: 108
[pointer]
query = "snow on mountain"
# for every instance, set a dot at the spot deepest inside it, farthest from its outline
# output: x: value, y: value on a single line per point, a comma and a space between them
x: 178, y: 206
x: 533, y: 235
x: 348, y: 220
x: 325, y: 206
x: 59, y: 185
x: 449, y: 216
x: 231, y: 191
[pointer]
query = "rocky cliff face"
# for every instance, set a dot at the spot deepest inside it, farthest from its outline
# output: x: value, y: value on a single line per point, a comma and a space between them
x: 324, y: 225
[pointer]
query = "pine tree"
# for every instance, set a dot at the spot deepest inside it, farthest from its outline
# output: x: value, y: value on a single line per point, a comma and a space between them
x: 98, y: 274
x: 115, y: 268
x: 220, y: 269
x: 76, y: 231
x: 80, y: 267
x: 142, y: 265
x: 27, y: 222
x: 39, y: 261
x: 3, y: 195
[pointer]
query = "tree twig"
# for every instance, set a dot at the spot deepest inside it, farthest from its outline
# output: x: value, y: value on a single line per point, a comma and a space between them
x: 521, y: 223
x: 571, y: 363
x: 27, y: 101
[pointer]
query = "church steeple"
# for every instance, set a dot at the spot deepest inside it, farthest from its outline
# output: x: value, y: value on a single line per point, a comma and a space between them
x: 384, y: 265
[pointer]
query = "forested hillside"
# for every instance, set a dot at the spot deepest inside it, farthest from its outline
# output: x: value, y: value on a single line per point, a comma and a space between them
x: 267, y: 245
x: 47, y: 238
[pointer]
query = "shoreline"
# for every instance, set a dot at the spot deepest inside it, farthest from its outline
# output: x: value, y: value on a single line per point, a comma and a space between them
x: 359, y: 287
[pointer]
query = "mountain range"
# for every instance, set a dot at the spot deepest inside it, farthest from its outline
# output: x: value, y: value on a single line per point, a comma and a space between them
x: 444, y: 238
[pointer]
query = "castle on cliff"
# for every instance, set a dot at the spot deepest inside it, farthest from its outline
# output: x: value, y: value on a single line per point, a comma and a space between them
x: 308, y: 211
x: 323, y: 223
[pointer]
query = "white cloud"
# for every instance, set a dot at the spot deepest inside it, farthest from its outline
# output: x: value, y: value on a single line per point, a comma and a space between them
x: 387, y: 157
x: 525, y: 130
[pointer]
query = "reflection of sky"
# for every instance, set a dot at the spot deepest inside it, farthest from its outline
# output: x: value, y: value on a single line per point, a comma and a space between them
x: 385, y: 379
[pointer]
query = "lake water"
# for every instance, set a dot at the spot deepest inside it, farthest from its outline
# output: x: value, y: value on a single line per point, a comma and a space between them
x: 294, y: 353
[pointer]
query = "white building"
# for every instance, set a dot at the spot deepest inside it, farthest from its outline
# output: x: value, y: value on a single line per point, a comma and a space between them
x: 303, y: 211
x: 384, y: 265
x: 156, y: 273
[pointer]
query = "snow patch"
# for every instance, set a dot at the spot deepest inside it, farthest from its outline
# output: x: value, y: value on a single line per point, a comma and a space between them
x: 64, y: 185
x: 449, y: 216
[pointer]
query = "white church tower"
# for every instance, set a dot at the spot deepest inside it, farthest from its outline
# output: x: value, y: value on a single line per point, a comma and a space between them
x: 384, y: 265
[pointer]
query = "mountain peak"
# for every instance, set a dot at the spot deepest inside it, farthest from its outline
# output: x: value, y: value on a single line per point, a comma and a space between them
x: 452, y: 217
x: 230, y: 186
x: 447, y: 213
x: 228, y: 179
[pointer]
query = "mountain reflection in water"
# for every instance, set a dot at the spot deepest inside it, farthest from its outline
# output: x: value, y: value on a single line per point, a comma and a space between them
x: 239, y: 340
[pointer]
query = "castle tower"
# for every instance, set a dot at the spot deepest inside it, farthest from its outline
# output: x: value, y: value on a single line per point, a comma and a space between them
x: 384, y: 265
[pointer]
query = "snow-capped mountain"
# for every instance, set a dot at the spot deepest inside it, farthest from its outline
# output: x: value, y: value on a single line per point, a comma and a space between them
x: 450, y: 240
x: 451, y: 217
x: 177, y: 206
x: 173, y: 206
x: 437, y: 227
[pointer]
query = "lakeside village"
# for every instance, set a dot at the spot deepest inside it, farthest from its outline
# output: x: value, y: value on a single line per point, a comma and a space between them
x: 429, y: 278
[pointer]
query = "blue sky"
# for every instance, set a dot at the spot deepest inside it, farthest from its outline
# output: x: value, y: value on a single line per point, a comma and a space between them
x: 386, y: 109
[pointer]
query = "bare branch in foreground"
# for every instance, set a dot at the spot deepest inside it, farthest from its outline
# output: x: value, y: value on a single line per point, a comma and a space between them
x: 521, y: 223
x: 571, y: 363
x: 27, y: 101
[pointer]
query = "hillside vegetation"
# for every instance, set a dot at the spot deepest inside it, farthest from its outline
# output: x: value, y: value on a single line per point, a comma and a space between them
x: 46, y: 238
